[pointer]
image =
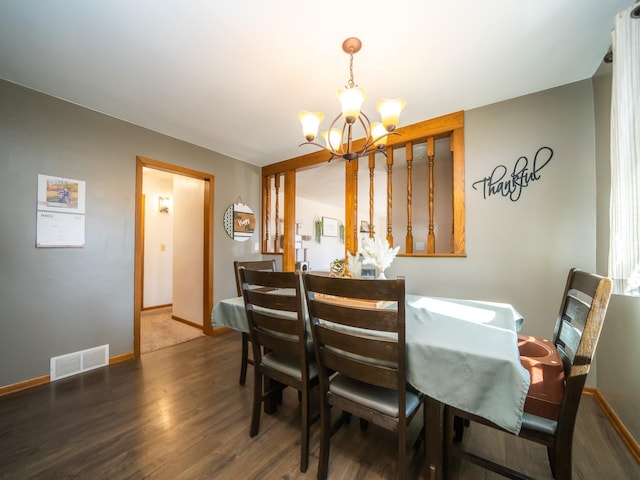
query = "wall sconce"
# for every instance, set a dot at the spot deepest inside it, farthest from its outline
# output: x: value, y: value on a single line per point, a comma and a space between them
x: 163, y: 204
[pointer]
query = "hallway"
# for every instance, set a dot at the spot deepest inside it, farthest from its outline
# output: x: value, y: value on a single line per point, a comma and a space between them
x: 158, y: 330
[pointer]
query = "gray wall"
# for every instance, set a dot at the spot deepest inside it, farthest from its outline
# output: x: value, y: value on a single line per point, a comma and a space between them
x: 57, y: 301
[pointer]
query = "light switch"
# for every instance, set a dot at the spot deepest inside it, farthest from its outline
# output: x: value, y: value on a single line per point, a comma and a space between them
x: 163, y: 247
x: 419, y: 246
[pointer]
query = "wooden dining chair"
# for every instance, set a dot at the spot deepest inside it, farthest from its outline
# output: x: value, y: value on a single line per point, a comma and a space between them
x: 282, y: 349
x: 582, y: 312
x: 358, y: 329
x: 265, y: 265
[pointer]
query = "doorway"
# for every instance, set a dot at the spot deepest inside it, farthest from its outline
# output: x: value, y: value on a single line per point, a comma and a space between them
x: 205, y: 300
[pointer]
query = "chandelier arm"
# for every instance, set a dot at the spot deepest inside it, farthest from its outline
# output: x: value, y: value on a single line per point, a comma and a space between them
x: 366, y: 125
x: 382, y: 136
x: 345, y: 126
x: 375, y: 149
x: 332, y: 152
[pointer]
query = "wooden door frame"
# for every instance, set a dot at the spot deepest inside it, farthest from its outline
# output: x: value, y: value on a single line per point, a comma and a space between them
x: 207, y: 283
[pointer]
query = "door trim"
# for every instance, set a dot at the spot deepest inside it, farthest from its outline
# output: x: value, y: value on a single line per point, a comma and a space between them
x: 207, y: 283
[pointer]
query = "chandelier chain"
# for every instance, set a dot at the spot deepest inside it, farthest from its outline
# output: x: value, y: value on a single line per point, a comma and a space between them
x: 350, y: 84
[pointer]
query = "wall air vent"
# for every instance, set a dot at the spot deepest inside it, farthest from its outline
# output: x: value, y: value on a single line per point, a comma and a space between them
x: 78, y: 362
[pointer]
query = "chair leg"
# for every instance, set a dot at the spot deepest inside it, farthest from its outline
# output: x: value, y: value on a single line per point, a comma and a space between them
x: 458, y: 428
x: 304, y: 440
x: 325, y: 433
x: 244, y: 359
x: 257, y: 402
x: 450, y: 435
x: 560, y: 460
x: 402, y: 451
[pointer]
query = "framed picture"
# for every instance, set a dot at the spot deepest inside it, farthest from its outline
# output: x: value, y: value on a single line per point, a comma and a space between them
x: 365, y: 227
x: 329, y: 227
x: 369, y: 272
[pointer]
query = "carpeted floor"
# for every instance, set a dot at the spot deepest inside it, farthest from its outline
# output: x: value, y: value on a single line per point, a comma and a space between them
x: 159, y: 330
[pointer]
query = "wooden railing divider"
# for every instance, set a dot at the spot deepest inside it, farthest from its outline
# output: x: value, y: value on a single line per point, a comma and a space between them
x: 451, y: 126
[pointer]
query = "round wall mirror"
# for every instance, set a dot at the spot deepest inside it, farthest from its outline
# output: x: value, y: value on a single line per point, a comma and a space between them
x: 239, y: 222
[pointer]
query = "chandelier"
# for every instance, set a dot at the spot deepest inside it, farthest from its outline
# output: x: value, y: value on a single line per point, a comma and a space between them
x: 339, y: 141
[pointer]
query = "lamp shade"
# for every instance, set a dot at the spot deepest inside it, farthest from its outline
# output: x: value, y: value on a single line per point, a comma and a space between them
x: 310, y: 122
x: 379, y: 135
x: 390, y: 109
x: 333, y: 139
x: 351, y: 100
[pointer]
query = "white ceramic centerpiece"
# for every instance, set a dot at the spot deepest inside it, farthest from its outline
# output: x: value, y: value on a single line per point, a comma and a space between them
x: 375, y: 252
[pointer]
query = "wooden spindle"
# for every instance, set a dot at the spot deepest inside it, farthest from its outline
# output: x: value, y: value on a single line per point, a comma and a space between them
x: 409, y: 155
x: 372, y: 166
x: 457, y: 154
x: 276, y: 238
x: 389, y: 192
x: 431, y: 238
x: 351, y: 215
x: 266, y: 214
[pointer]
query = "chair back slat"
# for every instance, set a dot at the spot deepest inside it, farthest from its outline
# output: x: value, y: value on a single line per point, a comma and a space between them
x: 285, y: 301
x: 370, y: 317
x: 264, y: 265
x: 364, y: 371
x: 271, y: 342
x: 269, y: 320
x: 379, y: 348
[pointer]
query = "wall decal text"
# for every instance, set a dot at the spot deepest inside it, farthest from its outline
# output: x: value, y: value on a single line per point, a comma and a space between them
x: 500, y: 182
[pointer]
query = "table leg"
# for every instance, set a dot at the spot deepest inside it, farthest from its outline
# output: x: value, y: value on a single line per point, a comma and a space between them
x: 435, y: 440
x: 274, y: 398
x: 270, y: 402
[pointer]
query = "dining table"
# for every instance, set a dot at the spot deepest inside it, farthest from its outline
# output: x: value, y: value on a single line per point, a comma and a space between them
x: 460, y: 352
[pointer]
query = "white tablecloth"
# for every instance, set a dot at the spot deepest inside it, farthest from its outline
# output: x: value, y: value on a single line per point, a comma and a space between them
x: 230, y: 313
x: 465, y: 353
x: 461, y: 352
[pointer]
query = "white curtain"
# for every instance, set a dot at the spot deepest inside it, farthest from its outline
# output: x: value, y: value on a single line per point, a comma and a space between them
x: 624, y: 250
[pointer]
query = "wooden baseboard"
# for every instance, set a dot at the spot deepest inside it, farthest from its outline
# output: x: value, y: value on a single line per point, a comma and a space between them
x: 16, y: 387
x: 121, y: 358
x: 186, y: 322
x: 219, y: 330
x: 613, y: 418
x: 34, y: 382
x: 156, y: 307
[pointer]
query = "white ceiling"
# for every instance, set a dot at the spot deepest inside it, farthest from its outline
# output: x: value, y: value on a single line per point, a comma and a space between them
x: 231, y: 76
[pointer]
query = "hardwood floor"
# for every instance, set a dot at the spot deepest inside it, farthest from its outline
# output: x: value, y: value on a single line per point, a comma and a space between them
x: 179, y: 413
